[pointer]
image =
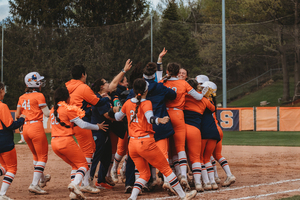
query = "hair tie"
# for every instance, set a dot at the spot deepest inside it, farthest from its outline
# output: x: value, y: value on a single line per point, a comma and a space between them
x: 139, y: 94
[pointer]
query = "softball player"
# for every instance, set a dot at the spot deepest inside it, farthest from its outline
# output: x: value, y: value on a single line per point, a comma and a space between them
x: 33, y: 105
x: 63, y: 117
x: 142, y: 146
x: 8, y: 155
x: 193, y: 111
x: 175, y: 110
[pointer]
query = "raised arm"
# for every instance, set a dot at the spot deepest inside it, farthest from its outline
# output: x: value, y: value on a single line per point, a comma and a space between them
x: 114, y: 83
x: 159, y: 71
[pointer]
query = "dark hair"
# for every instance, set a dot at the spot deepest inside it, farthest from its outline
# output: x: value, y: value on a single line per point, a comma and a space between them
x: 173, y: 69
x: 30, y: 89
x: 150, y: 69
x: 77, y: 71
x: 137, y: 72
x: 97, y: 84
x: 1, y: 86
x: 193, y: 83
x: 139, y: 89
x: 61, y: 94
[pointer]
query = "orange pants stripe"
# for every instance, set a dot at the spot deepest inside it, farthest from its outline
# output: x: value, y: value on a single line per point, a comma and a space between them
x: 85, y: 140
x: 145, y: 151
x: 193, y: 143
x: 35, y: 137
x: 67, y: 149
x: 177, y: 119
x: 8, y: 161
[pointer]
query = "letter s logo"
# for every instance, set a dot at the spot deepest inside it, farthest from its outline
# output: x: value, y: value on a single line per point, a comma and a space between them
x: 226, y: 119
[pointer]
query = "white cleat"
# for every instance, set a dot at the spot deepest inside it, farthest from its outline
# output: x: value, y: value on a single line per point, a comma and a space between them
x: 229, y: 180
x: 167, y: 187
x: 184, y: 183
x: 218, y: 180
x: 199, y: 187
x: 189, y: 195
x: 36, y: 189
x: 207, y: 186
x: 214, y: 186
x: 44, y: 183
x: 75, y: 189
x: 114, y: 176
x: 4, y: 197
x: 72, y: 196
x: 123, y: 176
x: 89, y: 189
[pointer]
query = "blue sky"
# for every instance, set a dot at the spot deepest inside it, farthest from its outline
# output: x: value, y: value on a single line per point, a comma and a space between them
x: 4, y: 8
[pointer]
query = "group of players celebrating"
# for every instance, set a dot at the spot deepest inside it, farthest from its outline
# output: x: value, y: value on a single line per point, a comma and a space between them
x: 163, y: 124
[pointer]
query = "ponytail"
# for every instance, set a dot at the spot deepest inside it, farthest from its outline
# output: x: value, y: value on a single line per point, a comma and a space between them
x: 61, y: 94
x: 173, y: 69
x: 139, y: 86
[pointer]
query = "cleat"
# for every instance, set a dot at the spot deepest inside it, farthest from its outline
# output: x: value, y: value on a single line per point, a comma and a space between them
x: 167, y: 187
x: 89, y: 189
x: 129, y: 198
x: 123, y: 176
x: 75, y: 189
x: 189, y: 195
x: 184, y: 183
x: 109, y: 181
x: 47, y: 179
x: 72, y: 196
x: 21, y: 142
x: 128, y: 189
x: 229, y: 180
x: 146, y: 188
x: 36, y: 189
x: 207, y: 186
x: 114, y: 176
x: 4, y: 197
x: 103, y: 186
x: 198, y: 187
x: 214, y: 186
x: 218, y: 180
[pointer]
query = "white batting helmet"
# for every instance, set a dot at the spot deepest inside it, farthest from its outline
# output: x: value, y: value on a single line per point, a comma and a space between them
x: 212, y: 88
x: 201, y: 79
x: 34, y: 80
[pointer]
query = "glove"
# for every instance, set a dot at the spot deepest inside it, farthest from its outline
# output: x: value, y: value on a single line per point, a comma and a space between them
x: 204, y: 90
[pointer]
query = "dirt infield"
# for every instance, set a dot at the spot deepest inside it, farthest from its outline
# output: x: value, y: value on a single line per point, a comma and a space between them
x: 261, y: 172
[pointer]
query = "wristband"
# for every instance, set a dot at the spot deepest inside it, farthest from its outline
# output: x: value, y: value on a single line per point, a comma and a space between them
x: 123, y: 71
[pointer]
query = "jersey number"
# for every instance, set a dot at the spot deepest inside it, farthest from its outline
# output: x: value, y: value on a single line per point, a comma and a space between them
x: 26, y: 104
x: 173, y: 88
x: 131, y: 116
x: 53, y: 119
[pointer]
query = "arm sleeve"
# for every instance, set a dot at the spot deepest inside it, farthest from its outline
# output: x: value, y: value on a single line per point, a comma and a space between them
x: 16, y: 124
x: 46, y: 111
x: 85, y: 125
x: 195, y: 94
x: 151, y: 119
x: 119, y: 115
x: 159, y: 72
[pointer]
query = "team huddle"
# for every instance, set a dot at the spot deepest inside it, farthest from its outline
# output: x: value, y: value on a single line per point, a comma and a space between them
x: 165, y: 124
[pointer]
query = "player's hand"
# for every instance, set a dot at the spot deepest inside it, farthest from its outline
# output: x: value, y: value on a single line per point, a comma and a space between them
x: 128, y: 65
x: 23, y: 116
x: 103, y: 126
x: 116, y: 109
x: 163, y: 120
x: 105, y: 95
x: 164, y: 51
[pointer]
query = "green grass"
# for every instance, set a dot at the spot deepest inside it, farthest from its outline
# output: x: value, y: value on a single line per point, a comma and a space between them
x: 297, y: 197
x: 270, y: 93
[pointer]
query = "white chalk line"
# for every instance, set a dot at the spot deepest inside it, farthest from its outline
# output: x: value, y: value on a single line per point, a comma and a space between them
x: 237, y: 188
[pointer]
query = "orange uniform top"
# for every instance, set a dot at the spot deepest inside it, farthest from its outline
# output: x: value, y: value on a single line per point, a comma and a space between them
x: 198, y: 106
x: 181, y: 87
x: 139, y: 126
x: 79, y: 92
x: 30, y: 104
x: 66, y: 116
x: 5, y: 116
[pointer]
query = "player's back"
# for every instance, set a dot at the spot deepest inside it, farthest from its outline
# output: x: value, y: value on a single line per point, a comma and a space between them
x: 30, y: 104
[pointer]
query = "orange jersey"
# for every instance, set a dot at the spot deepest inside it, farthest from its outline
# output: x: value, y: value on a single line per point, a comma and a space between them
x: 65, y: 116
x: 198, y: 106
x: 80, y: 92
x: 5, y: 116
x: 139, y: 126
x: 30, y: 104
x: 181, y: 87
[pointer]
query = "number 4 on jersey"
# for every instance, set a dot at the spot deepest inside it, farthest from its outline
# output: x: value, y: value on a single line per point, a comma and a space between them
x: 26, y: 105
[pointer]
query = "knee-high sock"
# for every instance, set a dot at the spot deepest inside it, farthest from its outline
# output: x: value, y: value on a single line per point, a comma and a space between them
x: 85, y: 180
x: 7, y: 180
x: 124, y: 164
x: 138, y: 185
x: 117, y: 160
x: 176, y: 165
x: 38, y: 172
x: 73, y: 174
x: 204, y: 174
x: 111, y: 164
x: 153, y: 173
x: 79, y: 175
x: 136, y: 174
x: 210, y: 172
x: 182, y: 162
x: 196, y: 169
x: 213, y: 162
x: 172, y: 179
x: 223, y: 162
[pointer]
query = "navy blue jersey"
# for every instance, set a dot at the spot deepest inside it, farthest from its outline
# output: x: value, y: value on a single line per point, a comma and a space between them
x: 208, y: 126
x: 157, y: 94
x: 192, y: 118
